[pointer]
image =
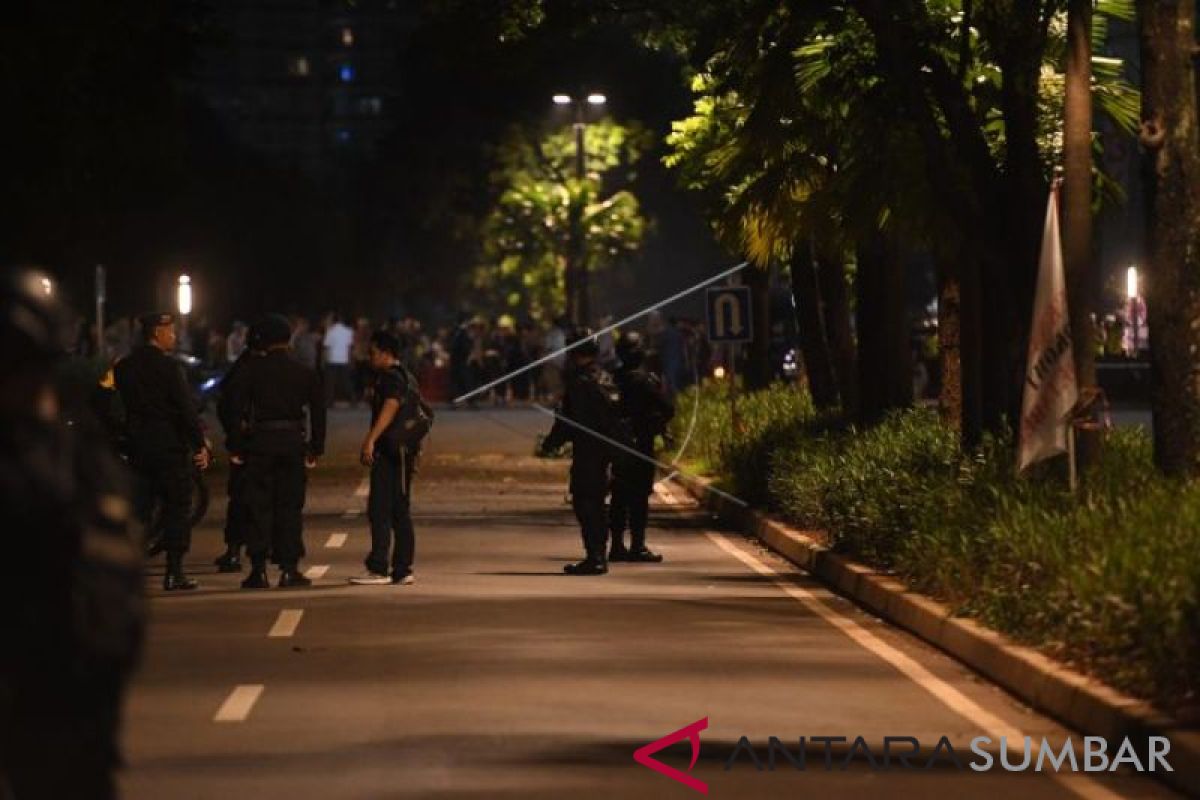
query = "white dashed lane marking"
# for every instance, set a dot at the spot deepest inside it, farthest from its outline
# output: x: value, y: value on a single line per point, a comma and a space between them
x: 240, y: 703
x: 364, y: 488
x: 337, y: 539
x: 286, y: 624
x: 316, y: 571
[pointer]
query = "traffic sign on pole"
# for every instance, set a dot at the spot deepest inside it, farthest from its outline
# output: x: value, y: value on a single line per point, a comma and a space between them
x: 729, y: 315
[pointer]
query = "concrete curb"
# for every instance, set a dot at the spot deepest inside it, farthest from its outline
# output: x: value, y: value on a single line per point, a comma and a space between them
x: 1082, y: 703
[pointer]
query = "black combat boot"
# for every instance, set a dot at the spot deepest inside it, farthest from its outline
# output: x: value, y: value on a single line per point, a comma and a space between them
x: 230, y: 560
x: 589, y: 566
x: 617, y: 551
x: 641, y: 554
x: 257, y: 579
x: 175, y: 580
x: 290, y: 577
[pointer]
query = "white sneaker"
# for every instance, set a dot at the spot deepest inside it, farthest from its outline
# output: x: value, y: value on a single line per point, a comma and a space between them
x: 407, y: 580
x: 370, y: 579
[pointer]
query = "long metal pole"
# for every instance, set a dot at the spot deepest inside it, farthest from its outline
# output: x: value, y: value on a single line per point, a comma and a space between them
x: 581, y: 267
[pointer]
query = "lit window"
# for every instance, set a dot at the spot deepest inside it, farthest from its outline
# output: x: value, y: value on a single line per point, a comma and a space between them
x: 298, y: 67
x: 348, y: 37
x: 346, y: 73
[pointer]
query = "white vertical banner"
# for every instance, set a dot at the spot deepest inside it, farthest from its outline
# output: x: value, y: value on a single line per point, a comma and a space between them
x: 1050, y: 386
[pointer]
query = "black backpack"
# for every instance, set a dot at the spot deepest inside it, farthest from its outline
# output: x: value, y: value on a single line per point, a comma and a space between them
x: 415, y: 418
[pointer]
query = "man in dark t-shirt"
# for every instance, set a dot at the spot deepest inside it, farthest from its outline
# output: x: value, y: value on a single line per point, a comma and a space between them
x: 392, y: 463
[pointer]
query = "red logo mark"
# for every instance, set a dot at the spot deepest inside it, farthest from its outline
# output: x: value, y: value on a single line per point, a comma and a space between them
x: 691, y: 732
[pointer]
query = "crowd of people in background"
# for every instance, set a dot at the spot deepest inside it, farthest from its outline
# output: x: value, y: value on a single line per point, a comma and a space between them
x: 482, y: 352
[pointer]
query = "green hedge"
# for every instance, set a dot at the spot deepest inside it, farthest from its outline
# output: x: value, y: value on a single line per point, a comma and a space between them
x: 1108, y: 579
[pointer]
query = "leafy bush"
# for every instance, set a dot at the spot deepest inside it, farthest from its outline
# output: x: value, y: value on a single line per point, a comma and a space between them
x: 1108, y: 579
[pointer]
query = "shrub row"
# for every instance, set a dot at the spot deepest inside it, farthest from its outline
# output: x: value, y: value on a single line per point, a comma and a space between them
x: 1107, y: 579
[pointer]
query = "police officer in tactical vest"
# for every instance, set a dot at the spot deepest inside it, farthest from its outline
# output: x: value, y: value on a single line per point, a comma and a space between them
x: 588, y: 408
x: 270, y: 396
x: 237, y: 514
x: 164, y: 435
x: 71, y: 604
x: 645, y: 412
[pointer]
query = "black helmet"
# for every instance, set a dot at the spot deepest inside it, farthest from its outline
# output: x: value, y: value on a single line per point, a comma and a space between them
x: 273, y: 329
x: 631, y: 349
x: 583, y: 342
x: 34, y: 324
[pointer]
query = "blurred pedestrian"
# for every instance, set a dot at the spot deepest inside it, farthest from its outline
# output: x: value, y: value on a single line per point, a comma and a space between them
x: 339, y: 340
x: 360, y: 355
x: 235, y: 342
x: 461, y: 346
x: 552, y: 371
x: 306, y: 343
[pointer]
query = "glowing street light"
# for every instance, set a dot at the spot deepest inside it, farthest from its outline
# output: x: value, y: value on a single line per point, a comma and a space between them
x: 1131, y: 290
x: 184, y: 295
x: 577, y: 260
x: 47, y: 286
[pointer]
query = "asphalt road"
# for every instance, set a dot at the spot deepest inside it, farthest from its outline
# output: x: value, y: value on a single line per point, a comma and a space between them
x: 496, y: 676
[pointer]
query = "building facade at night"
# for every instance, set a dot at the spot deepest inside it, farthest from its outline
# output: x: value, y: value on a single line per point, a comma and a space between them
x: 308, y: 83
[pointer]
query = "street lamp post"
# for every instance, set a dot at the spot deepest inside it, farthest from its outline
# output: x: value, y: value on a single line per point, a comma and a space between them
x: 184, y: 297
x: 1131, y: 289
x: 577, y: 268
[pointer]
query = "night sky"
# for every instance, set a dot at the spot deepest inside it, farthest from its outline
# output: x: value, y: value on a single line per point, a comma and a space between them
x: 127, y: 154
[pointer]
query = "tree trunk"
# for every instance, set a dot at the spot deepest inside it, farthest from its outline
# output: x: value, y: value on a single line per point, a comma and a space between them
x: 1077, y: 207
x: 814, y: 348
x: 839, y: 335
x: 758, y: 367
x: 1169, y: 133
x: 1077, y: 188
x: 950, y: 400
x: 884, y: 354
x: 960, y: 347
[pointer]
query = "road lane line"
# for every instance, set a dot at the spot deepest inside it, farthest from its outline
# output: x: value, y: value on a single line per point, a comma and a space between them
x: 351, y: 513
x: 364, y: 488
x: 987, y: 722
x: 337, y: 539
x: 316, y: 571
x: 286, y: 624
x: 240, y: 703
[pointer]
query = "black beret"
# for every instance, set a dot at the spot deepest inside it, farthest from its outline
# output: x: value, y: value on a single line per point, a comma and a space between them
x: 156, y: 320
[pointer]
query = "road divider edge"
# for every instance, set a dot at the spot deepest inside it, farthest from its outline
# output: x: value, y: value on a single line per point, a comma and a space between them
x: 1076, y: 700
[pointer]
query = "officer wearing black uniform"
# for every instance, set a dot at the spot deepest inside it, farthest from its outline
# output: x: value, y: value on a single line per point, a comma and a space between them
x: 269, y: 397
x: 165, y: 437
x: 71, y: 604
x: 589, y: 405
x: 237, y: 515
x: 645, y: 412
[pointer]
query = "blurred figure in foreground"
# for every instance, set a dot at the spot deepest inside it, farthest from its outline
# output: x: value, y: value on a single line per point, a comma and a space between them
x: 71, y: 586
